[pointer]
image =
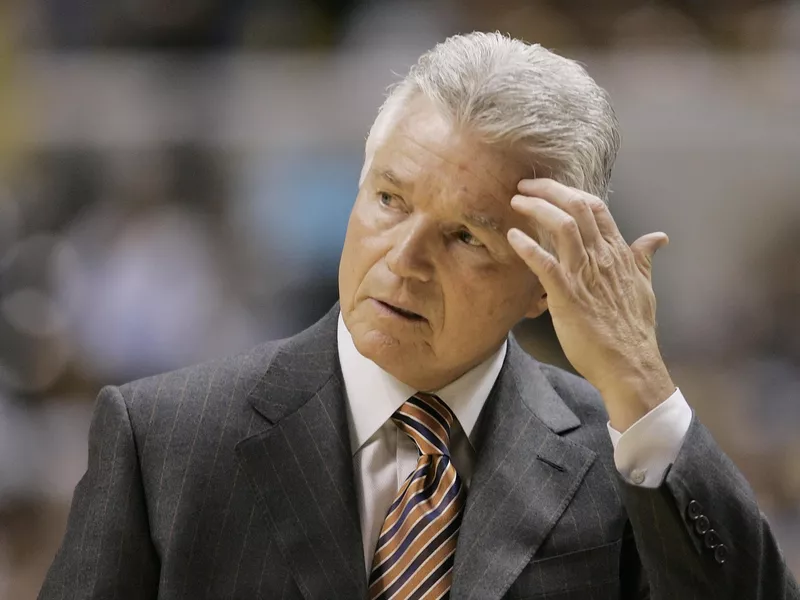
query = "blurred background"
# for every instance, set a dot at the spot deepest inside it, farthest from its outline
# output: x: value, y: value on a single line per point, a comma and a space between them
x: 176, y: 178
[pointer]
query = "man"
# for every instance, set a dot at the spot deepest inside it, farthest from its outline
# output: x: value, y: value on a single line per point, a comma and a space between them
x: 405, y: 446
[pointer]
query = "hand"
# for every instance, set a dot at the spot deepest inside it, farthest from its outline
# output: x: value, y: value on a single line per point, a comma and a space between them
x: 599, y: 293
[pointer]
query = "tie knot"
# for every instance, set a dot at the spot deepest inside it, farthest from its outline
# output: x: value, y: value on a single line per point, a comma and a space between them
x: 428, y: 421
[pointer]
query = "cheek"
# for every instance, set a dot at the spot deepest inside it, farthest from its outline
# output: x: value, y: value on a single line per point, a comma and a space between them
x: 365, y: 228
x: 496, y: 293
x: 363, y: 248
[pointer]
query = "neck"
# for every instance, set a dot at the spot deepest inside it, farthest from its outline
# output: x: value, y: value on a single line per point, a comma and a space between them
x: 433, y: 380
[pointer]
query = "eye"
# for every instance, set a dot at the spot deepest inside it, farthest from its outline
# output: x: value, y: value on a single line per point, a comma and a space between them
x: 467, y: 238
x: 386, y: 199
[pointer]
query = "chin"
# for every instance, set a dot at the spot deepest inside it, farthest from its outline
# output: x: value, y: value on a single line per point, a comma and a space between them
x: 399, y: 360
x: 387, y: 351
x: 376, y: 344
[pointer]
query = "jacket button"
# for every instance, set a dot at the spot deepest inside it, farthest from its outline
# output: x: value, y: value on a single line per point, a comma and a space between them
x: 721, y: 554
x: 711, y: 539
x: 702, y: 524
x: 694, y: 510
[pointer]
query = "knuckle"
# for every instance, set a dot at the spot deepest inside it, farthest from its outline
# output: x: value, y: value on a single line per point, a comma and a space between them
x: 529, y: 253
x: 596, y: 205
x: 568, y: 227
x: 576, y: 201
x: 550, y: 265
x: 605, y: 260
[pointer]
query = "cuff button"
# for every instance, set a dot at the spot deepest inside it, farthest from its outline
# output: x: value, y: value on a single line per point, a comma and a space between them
x: 638, y: 476
x: 711, y: 539
x: 721, y: 554
x: 702, y: 525
x: 694, y: 510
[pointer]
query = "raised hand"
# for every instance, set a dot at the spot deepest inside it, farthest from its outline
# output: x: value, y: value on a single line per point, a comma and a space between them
x: 599, y: 293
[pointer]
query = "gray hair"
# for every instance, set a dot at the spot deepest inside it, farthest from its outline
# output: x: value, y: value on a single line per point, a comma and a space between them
x: 518, y: 95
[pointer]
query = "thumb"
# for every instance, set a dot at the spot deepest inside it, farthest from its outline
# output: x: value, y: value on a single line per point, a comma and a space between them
x: 645, y: 248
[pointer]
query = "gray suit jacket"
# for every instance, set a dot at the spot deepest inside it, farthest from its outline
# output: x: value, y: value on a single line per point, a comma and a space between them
x: 235, y: 480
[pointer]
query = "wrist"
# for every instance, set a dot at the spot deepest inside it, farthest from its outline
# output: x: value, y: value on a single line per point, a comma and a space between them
x: 635, y: 393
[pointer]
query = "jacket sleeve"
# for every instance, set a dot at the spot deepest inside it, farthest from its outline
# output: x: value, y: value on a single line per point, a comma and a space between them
x: 701, y: 533
x: 107, y: 550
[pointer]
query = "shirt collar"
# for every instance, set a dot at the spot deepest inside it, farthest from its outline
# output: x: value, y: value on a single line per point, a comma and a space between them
x: 373, y: 395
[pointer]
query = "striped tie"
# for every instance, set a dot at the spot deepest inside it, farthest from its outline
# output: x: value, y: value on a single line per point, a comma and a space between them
x: 416, y: 549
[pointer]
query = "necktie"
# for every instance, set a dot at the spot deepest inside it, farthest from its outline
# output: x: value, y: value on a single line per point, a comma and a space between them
x: 417, y: 544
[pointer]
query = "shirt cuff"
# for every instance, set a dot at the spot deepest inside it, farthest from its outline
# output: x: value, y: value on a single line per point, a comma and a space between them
x: 648, y: 447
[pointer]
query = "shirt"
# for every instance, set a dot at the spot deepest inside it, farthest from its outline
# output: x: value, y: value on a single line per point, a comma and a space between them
x: 383, y: 456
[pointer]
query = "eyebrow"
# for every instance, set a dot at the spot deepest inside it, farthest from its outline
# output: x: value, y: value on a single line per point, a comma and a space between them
x: 476, y: 219
x: 483, y: 221
x: 391, y: 177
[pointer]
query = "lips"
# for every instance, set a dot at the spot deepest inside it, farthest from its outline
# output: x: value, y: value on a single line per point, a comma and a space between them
x: 404, y: 312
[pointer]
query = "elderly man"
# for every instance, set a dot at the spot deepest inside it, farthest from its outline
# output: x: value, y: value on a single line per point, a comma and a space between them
x: 405, y: 446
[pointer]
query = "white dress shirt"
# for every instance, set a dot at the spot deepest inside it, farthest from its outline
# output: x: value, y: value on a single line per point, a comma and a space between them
x: 383, y: 456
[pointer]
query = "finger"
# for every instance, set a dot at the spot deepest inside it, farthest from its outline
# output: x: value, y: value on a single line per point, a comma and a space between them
x: 558, y: 193
x: 559, y: 225
x: 606, y: 223
x: 645, y: 248
x: 543, y: 264
x: 574, y: 202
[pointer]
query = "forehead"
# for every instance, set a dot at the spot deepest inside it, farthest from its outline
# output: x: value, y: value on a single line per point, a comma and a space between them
x: 423, y: 147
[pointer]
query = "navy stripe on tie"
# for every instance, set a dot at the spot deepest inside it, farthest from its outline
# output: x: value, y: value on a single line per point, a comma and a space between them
x: 426, y: 406
x: 420, y: 496
x: 421, y: 472
x: 424, y: 521
x: 434, y: 578
x: 424, y: 431
x: 415, y: 553
x: 423, y: 555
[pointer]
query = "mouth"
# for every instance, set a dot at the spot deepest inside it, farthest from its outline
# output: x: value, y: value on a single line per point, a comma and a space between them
x: 401, y: 312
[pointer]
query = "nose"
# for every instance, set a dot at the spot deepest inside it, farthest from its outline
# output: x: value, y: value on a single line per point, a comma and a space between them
x: 410, y: 254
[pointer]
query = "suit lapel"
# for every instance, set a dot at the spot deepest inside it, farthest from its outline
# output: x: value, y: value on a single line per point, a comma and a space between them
x: 301, y: 466
x: 525, y: 477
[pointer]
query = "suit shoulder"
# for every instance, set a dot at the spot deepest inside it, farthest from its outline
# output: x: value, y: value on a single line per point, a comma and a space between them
x: 225, y: 379
x: 581, y: 396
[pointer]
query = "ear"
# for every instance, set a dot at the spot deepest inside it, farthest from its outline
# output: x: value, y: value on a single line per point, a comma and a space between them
x: 538, y: 303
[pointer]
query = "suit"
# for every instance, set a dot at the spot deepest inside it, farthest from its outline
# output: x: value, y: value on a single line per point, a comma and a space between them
x: 234, y: 479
